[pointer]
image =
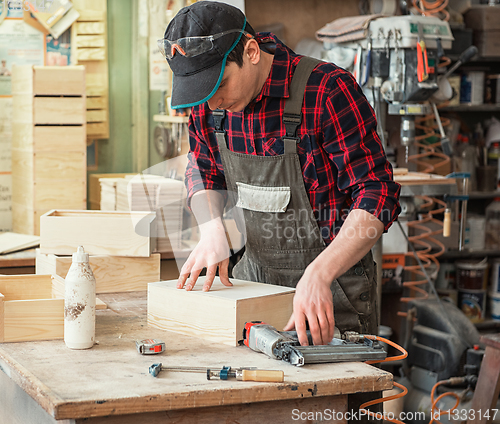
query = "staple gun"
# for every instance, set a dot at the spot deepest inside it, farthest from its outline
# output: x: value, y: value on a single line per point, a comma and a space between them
x: 285, y: 345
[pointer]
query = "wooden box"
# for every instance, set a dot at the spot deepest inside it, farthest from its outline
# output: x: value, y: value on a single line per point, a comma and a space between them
x: 112, y: 273
x: 99, y: 232
x: 28, y: 309
x: 49, y: 151
x: 218, y: 315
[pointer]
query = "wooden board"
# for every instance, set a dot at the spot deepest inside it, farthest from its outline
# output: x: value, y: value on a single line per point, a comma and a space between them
x: 403, y: 177
x: 112, y: 273
x: 100, y: 233
x: 59, y: 110
x: 218, y: 315
x: 58, y: 80
x: 29, y: 310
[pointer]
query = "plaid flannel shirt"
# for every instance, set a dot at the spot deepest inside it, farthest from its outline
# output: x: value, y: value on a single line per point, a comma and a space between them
x: 342, y: 159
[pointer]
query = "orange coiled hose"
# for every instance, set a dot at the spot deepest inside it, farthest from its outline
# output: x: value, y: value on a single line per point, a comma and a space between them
x: 424, y: 240
x: 441, y: 396
x: 430, y: 8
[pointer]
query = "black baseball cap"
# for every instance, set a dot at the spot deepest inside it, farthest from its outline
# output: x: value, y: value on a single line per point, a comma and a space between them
x: 197, y: 78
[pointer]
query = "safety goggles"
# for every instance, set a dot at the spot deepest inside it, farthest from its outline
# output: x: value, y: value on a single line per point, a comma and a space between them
x: 193, y: 46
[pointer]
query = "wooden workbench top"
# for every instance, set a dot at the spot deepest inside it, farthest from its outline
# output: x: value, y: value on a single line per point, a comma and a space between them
x: 113, y: 378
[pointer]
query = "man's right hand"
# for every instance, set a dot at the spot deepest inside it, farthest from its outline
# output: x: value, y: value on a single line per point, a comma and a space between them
x: 211, y: 252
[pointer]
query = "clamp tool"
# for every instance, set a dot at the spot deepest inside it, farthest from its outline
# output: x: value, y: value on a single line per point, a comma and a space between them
x: 285, y: 345
x: 150, y: 346
x: 422, y: 62
x: 225, y: 373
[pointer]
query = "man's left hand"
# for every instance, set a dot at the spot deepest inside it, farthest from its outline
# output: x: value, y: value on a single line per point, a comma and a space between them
x: 313, y: 302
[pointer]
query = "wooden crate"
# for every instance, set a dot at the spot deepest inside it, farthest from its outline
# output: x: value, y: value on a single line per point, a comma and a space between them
x: 49, y: 151
x: 89, y: 48
x: 218, y: 315
x: 28, y: 309
x: 112, y: 273
x: 99, y: 232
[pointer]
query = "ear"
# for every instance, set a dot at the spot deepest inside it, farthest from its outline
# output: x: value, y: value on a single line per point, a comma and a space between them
x: 252, y: 51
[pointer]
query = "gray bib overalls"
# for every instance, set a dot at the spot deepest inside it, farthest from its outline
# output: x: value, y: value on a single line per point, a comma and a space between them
x: 283, y: 236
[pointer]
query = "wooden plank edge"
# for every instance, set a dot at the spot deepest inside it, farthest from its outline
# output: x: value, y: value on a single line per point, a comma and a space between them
x: 256, y: 392
x: 43, y: 395
x: 2, y: 322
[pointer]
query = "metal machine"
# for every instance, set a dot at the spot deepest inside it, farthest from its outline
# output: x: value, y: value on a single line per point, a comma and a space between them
x: 396, y: 62
x: 285, y: 345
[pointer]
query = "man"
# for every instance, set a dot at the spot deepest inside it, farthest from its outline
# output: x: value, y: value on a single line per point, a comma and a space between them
x: 302, y: 158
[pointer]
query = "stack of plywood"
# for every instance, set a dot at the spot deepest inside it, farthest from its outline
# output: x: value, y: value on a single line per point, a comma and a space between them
x: 165, y: 196
x: 94, y: 189
x: 120, y: 245
x: 49, y: 163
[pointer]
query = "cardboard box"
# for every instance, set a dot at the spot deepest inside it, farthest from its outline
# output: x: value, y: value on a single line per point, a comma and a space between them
x: 220, y: 314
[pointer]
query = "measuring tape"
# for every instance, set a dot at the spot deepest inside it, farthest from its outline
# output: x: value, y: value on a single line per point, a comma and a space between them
x: 150, y: 346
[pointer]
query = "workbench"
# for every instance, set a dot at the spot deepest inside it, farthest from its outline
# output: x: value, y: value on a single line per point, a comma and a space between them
x: 44, y: 382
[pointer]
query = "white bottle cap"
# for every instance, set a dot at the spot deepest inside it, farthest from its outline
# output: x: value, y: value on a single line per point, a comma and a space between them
x: 80, y: 255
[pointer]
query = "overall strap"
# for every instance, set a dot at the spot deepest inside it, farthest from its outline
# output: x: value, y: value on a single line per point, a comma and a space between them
x: 292, y: 115
x: 219, y: 116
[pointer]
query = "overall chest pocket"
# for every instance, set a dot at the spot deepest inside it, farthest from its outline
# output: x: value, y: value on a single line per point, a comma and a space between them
x: 263, y: 199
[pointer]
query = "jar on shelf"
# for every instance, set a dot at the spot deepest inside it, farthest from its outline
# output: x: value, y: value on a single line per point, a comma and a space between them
x: 492, y: 239
x: 466, y: 160
x: 494, y: 158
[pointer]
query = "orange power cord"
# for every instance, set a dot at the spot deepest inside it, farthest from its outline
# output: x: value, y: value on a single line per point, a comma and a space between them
x: 403, y: 355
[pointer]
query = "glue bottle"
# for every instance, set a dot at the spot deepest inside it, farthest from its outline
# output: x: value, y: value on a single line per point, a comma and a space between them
x: 79, y: 303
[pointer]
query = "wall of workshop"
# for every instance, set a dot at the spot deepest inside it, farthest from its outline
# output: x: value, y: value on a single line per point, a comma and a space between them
x: 115, y: 154
x: 300, y: 18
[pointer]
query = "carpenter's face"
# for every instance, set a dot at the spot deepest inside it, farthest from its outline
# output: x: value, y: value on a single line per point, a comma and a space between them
x: 239, y: 86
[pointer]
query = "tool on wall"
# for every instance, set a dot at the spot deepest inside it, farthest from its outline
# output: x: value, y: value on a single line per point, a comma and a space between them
x: 162, y: 135
x: 285, y: 345
x: 226, y: 373
x: 170, y: 131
